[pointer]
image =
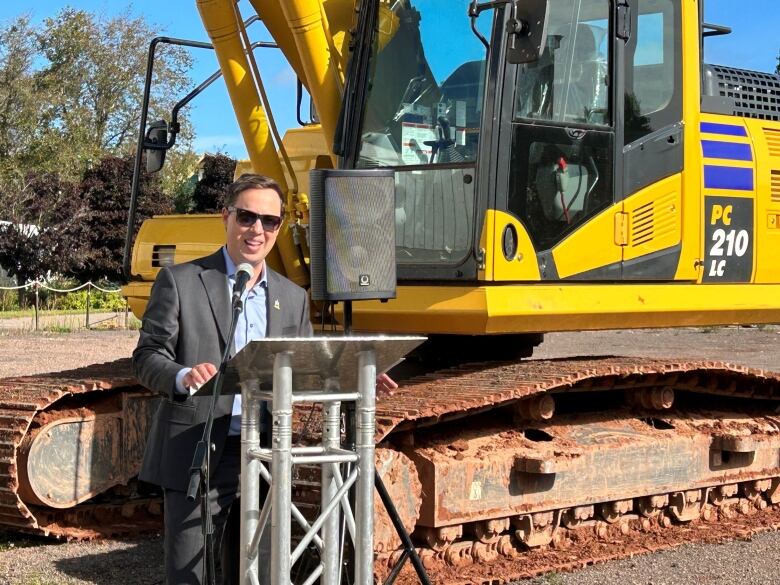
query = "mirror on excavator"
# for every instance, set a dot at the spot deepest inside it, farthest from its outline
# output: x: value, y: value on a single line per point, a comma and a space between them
x: 156, y: 135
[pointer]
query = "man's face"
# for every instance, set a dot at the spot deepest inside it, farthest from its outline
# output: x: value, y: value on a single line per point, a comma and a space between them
x: 251, y: 244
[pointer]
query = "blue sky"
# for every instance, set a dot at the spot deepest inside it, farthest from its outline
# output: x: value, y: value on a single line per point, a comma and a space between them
x: 754, y: 44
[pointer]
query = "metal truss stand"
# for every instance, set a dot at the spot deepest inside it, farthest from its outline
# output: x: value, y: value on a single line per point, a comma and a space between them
x: 312, y: 370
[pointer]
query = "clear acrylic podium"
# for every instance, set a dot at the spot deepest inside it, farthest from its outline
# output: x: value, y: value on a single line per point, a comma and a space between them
x: 329, y: 371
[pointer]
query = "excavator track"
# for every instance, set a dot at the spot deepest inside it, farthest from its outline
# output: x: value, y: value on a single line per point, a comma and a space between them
x: 542, y: 465
x: 500, y: 471
x: 71, y: 443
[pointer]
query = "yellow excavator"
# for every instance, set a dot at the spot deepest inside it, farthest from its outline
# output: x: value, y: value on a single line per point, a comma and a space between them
x: 559, y: 165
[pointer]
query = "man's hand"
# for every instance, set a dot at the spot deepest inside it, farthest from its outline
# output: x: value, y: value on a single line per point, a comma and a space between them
x: 198, y: 376
x: 385, y: 385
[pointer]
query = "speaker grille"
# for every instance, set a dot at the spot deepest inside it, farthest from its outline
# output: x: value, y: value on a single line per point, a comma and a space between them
x: 352, y: 234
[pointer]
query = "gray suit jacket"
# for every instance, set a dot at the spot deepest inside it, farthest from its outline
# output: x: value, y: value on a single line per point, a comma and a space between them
x: 186, y: 323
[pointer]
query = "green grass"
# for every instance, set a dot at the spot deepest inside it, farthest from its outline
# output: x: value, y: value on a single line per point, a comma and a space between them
x: 31, y: 313
x: 57, y: 329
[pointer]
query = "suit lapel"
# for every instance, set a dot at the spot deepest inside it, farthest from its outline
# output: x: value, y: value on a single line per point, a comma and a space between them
x: 273, y: 307
x: 214, y: 278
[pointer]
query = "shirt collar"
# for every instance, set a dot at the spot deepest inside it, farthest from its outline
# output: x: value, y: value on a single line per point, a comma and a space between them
x: 230, y: 267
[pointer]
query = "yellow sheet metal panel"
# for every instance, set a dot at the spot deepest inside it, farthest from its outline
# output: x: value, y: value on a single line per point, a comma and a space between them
x: 766, y: 141
x: 137, y: 295
x: 543, y: 307
x: 307, y: 149
x: 591, y: 246
x: 653, y: 219
x: 495, y: 309
x: 523, y: 266
x: 689, y: 267
x: 192, y: 236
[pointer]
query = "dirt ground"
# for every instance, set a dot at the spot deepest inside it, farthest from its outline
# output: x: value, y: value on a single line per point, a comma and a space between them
x: 25, y: 561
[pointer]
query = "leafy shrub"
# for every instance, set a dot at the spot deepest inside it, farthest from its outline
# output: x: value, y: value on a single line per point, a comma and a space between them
x: 9, y: 300
x: 98, y: 301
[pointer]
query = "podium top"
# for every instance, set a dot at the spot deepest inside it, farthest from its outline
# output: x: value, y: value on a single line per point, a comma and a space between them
x: 313, y: 360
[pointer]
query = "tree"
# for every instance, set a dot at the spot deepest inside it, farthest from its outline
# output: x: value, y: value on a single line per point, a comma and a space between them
x: 209, y: 193
x: 179, y: 176
x: 72, y: 89
x: 99, y: 66
x: 106, y: 193
x: 46, y: 230
x: 19, y: 104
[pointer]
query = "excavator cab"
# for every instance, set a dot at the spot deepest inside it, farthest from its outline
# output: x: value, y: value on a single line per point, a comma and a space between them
x: 548, y: 143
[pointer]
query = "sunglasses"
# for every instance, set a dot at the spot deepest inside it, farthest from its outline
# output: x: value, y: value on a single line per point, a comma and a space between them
x: 246, y: 218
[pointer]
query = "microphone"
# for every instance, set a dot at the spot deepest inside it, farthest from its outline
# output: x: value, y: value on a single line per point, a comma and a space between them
x: 244, y: 274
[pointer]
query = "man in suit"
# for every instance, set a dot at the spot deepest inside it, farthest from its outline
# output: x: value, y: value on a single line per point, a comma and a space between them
x: 181, y: 343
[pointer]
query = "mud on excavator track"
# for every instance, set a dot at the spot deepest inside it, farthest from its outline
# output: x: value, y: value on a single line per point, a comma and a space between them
x: 535, y: 466
x: 499, y: 470
x: 71, y: 444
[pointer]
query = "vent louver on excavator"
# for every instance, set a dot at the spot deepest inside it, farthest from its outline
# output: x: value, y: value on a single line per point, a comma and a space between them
x: 775, y: 187
x: 163, y: 256
x: 649, y: 222
x: 772, y: 141
x: 642, y: 225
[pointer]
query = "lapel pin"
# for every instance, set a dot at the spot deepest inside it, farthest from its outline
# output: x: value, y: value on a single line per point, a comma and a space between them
x: 276, y: 304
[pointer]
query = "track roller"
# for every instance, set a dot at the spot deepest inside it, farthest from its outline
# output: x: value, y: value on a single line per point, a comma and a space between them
x: 652, y: 506
x: 574, y: 517
x: 754, y: 491
x: 440, y: 538
x: 651, y: 398
x: 611, y: 512
x: 773, y: 494
x: 535, y: 530
x: 489, y: 531
x: 687, y: 506
x: 536, y: 408
x: 723, y: 494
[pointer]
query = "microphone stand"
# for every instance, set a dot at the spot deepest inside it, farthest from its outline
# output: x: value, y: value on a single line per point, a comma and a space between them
x: 201, y: 461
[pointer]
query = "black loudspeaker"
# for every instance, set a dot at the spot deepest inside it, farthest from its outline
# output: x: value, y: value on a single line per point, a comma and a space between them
x: 352, y: 234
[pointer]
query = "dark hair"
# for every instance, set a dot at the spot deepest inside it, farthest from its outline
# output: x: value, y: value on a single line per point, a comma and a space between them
x: 251, y: 181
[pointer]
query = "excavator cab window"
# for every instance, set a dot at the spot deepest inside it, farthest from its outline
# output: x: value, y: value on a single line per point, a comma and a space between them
x: 422, y: 118
x: 563, y: 135
x: 569, y: 82
x: 653, y: 72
